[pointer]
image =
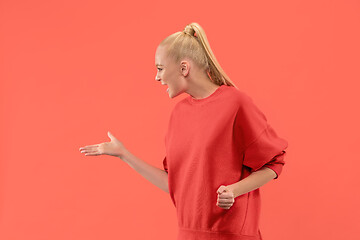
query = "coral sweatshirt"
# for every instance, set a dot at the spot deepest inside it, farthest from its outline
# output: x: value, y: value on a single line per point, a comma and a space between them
x: 214, y: 141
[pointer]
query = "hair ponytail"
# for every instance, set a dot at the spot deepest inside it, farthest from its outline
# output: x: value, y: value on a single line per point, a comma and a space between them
x: 192, y: 42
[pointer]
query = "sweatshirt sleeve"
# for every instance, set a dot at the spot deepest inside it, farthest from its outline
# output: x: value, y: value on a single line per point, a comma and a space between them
x: 165, y: 165
x: 260, y: 144
x: 277, y: 163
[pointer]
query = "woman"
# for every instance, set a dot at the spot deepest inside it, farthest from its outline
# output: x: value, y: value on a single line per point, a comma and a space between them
x: 219, y: 147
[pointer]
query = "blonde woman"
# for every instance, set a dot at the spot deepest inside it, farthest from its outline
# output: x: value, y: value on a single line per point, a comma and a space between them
x: 220, y: 148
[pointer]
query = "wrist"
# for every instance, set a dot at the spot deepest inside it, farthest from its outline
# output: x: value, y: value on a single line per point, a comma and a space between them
x: 123, y: 155
x: 233, y: 189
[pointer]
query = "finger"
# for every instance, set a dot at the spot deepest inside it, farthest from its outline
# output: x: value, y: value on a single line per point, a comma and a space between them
x: 220, y: 199
x: 93, y: 150
x: 224, y: 206
x: 226, y: 195
x: 221, y: 189
x: 89, y: 146
x: 226, y: 201
x: 92, y: 154
x: 89, y: 149
x: 88, y: 152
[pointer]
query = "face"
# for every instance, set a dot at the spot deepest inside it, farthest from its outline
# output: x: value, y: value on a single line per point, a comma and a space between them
x: 169, y: 73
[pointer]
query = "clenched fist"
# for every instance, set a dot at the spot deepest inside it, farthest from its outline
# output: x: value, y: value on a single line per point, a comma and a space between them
x: 225, y: 197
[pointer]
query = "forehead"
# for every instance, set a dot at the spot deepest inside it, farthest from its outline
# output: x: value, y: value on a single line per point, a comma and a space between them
x: 160, y: 58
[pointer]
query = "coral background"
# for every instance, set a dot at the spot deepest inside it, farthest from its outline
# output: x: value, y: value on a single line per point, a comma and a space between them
x: 72, y: 70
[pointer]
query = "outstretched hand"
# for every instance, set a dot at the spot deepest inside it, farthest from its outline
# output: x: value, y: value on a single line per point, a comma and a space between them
x: 225, y: 197
x: 112, y: 148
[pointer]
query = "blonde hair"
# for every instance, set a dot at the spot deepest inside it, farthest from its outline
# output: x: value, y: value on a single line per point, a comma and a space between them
x: 192, y: 43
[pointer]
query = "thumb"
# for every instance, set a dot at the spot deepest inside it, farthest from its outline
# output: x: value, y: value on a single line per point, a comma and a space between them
x: 221, y: 189
x: 110, y: 135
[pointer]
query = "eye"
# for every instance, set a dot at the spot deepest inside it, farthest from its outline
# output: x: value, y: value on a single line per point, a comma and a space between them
x: 159, y: 69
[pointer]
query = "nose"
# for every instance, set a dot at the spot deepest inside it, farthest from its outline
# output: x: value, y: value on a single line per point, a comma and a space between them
x: 156, y: 78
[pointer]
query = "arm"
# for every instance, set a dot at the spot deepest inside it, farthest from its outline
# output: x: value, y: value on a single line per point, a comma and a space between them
x: 253, y: 181
x: 155, y: 175
x: 260, y: 143
x: 116, y: 148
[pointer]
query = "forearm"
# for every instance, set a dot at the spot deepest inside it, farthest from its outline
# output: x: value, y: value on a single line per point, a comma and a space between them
x: 155, y: 175
x: 253, y: 181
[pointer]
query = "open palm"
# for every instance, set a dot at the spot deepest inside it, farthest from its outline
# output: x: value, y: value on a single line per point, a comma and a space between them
x: 112, y: 148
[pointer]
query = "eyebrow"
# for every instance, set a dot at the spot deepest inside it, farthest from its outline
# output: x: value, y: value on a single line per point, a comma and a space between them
x: 158, y: 64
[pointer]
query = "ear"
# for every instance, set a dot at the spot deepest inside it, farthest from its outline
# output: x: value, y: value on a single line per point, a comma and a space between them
x: 185, y: 68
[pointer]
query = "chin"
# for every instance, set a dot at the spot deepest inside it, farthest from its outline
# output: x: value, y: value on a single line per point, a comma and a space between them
x: 173, y: 95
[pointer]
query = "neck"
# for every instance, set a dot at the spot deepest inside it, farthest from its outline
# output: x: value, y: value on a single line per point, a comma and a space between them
x: 202, y: 87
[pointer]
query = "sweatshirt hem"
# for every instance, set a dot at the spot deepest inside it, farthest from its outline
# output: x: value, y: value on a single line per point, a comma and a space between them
x: 190, y: 234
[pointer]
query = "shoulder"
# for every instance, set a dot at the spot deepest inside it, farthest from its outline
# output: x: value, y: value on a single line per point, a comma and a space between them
x: 237, y: 97
x: 246, y: 107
